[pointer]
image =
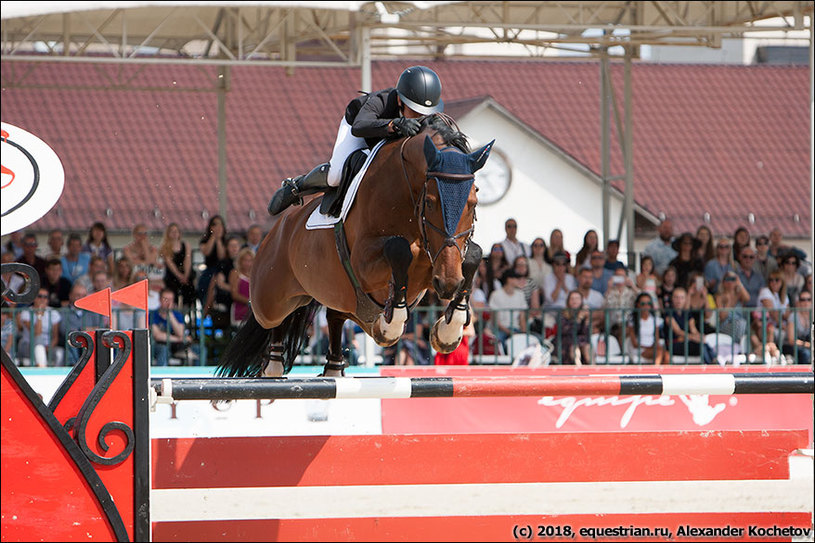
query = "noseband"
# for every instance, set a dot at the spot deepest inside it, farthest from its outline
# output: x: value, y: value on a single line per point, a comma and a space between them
x: 419, y: 211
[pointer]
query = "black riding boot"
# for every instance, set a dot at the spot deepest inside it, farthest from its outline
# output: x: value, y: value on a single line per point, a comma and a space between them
x: 294, y: 189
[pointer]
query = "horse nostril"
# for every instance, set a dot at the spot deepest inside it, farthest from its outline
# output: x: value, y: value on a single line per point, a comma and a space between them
x: 438, y: 286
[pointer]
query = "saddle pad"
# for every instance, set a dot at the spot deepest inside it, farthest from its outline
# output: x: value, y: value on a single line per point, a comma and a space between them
x: 318, y: 220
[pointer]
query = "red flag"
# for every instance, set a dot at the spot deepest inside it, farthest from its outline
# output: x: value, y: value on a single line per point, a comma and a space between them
x: 98, y: 302
x: 135, y: 295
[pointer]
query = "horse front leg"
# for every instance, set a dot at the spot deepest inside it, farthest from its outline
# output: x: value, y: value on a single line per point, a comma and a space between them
x: 447, y: 332
x: 390, y: 325
x: 335, y: 363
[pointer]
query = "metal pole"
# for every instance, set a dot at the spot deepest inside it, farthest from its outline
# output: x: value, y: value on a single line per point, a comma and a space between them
x: 365, y: 58
x: 223, y: 87
x: 604, y: 128
x: 629, y: 164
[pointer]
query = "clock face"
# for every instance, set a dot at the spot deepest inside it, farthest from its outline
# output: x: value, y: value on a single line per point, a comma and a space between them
x: 493, y: 179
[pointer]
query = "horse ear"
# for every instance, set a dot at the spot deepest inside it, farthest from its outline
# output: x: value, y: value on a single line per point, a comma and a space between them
x: 479, y: 157
x: 430, y: 152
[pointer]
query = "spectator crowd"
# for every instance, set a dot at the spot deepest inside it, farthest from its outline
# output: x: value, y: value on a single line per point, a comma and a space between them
x: 753, y: 292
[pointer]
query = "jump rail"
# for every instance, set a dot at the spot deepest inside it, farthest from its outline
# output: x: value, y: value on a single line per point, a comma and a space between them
x: 169, y: 390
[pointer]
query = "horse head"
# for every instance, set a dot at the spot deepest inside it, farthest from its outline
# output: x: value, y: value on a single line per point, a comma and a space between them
x: 446, y: 207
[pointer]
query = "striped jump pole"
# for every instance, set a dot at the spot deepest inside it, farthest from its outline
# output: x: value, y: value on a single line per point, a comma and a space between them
x: 168, y: 390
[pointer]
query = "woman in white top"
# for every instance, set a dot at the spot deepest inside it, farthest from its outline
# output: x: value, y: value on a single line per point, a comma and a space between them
x: 643, y: 332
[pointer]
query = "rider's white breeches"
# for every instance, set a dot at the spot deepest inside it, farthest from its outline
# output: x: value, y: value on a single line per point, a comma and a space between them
x: 345, y: 144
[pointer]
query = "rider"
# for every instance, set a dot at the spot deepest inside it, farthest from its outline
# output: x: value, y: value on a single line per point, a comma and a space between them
x: 368, y: 119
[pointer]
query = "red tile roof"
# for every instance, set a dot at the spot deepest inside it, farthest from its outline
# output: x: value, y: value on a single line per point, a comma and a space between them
x: 728, y: 140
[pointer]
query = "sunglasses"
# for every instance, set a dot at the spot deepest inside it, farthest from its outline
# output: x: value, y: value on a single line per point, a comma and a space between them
x: 761, y: 243
x: 807, y: 299
x: 748, y: 257
x: 774, y: 279
x: 646, y: 304
x: 42, y: 296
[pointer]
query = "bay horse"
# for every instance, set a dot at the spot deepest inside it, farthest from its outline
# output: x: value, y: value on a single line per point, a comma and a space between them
x: 408, y: 230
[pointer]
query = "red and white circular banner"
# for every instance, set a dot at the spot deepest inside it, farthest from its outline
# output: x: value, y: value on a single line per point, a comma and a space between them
x: 31, y: 181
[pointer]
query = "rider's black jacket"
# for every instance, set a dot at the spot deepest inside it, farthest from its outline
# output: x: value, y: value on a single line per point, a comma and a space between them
x: 370, y: 114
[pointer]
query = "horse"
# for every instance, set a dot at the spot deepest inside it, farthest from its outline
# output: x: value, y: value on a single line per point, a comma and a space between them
x: 409, y: 230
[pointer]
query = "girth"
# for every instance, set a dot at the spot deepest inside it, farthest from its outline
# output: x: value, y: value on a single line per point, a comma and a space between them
x: 368, y: 309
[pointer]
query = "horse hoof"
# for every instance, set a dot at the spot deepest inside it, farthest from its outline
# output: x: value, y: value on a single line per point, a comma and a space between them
x: 441, y: 346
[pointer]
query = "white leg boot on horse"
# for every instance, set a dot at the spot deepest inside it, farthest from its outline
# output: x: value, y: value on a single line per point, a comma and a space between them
x: 446, y: 333
x: 293, y: 189
x: 274, y: 367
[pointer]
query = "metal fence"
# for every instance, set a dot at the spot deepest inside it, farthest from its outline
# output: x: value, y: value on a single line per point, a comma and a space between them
x: 726, y: 336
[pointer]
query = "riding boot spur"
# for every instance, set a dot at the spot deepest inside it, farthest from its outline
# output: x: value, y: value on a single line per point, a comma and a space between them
x: 293, y: 189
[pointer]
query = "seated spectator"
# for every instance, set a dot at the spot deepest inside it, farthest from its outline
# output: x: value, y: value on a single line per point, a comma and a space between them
x: 254, y: 236
x: 97, y: 244
x: 498, y: 264
x: 573, y: 331
x: 752, y: 280
x: 30, y: 256
x: 700, y: 303
x: 790, y: 266
x: 508, y: 307
x: 666, y: 288
x: 681, y: 334
x: 741, y: 239
x: 556, y: 247
x: 773, y: 303
x: 764, y: 262
x: 213, y: 247
x: 583, y: 257
x: 619, y: 300
x: 592, y: 299
x: 558, y: 284
x: 647, y: 278
x: 75, y: 263
x: 705, y: 237
x: 7, y: 334
x: 642, y: 337
x: 612, y: 250
x: 42, y: 323
x: 600, y: 274
x: 56, y: 247
x: 718, y: 266
x: 178, y: 273
x: 140, y: 252
x: 219, y: 296
x: 798, y: 340
x: 482, y: 285
x: 122, y: 274
x: 513, y: 248
x: 14, y: 245
x: 538, y: 267
x: 661, y: 248
x: 169, y: 332
x: 239, y: 286
x: 686, y: 261
x: 59, y: 288
x: 78, y: 319
x: 96, y: 265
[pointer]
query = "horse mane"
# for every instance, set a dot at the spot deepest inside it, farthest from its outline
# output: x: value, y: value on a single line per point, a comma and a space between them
x: 446, y: 127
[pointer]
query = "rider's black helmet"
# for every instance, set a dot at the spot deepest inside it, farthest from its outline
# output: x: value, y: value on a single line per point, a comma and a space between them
x: 420, y: 89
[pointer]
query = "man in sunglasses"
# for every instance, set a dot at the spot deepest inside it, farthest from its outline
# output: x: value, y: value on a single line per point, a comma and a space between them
x: 752, y: 280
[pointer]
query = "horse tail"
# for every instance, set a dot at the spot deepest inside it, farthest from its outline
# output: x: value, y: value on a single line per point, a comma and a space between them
x: 292, y: 332
x: 247, y: 353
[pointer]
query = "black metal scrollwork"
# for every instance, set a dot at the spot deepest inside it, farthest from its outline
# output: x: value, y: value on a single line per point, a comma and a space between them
x: 32, y: 283
x: 80, y: 340
x: 122, y: 342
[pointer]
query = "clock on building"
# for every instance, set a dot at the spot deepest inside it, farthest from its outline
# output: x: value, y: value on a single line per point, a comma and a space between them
x: 494, y: 178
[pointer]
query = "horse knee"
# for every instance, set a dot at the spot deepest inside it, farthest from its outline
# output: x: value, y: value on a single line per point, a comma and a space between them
x: 397, y: 253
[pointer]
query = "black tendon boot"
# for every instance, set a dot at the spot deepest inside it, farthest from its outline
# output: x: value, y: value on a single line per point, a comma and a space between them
x: 294, y: 189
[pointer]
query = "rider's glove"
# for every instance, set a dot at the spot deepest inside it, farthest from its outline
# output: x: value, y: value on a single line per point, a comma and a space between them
x: 406, y: 127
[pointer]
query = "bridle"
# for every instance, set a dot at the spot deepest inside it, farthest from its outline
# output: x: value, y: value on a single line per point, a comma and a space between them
x: 420, y: 207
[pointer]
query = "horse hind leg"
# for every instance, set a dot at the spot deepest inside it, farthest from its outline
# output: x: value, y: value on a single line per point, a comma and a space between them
x: 335, y: 362
x: 274, y: 365
x: 446, y: 333
x: 390, y: 325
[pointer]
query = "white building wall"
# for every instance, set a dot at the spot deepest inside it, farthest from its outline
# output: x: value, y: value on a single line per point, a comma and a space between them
x: 546, y: 192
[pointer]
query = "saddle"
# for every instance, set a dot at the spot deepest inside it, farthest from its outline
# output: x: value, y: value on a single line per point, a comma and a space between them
x: 333, y: 199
